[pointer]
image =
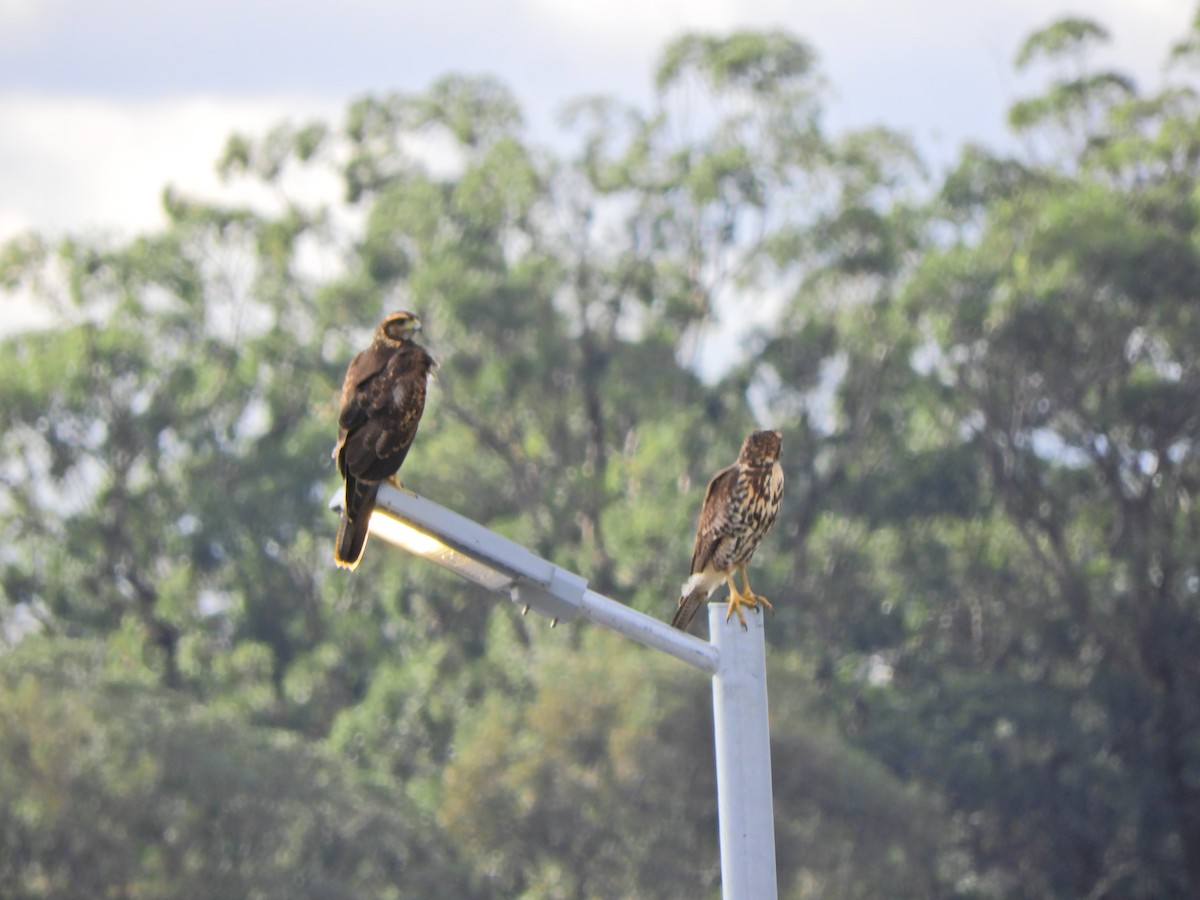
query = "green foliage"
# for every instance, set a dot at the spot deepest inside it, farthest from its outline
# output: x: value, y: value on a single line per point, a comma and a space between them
x: 758, y: 61
x: 1065, y: 36
x: 1064, y: 332
x: 588, y: 758
x: 110, y: 787
x: 984, y: 573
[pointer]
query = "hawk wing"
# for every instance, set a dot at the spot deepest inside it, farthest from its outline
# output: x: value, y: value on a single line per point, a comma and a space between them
x: 714, y: 524
x: 383, y: 398
x: 353, y: 410
x: 714, y: 517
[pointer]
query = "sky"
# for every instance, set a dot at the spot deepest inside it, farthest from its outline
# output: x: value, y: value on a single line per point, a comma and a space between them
x: 103, y: 104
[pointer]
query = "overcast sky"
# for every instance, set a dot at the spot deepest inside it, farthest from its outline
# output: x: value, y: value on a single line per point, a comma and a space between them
x: 103, y: 103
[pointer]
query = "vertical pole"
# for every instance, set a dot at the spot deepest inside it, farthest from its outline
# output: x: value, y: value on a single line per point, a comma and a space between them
x: 744, y: 806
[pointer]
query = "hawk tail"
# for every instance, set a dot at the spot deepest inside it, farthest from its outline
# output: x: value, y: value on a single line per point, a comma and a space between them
x: 688, y: 604
x: 356, y: 517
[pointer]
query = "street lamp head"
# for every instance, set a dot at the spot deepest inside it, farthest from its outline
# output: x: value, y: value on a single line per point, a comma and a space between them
x: 473, y: 552
x: 418, y: 543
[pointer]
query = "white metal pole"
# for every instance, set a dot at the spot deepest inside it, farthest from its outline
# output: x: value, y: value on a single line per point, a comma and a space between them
x: 743, y: 743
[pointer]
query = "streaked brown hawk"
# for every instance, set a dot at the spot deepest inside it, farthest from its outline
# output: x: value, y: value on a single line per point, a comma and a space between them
x: 383, y: 397
x: 740, y: 506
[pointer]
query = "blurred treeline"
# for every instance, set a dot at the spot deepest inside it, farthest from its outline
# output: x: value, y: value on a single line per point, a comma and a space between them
x: 986, y: 647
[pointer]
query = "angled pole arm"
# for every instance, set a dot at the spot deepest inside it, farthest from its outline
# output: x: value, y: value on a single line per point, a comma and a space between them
x: 648, y: 631
x: 493, y: 561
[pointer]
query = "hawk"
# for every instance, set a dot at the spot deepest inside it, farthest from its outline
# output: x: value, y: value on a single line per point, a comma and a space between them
x: 740, y: 506
x: 383, y: 397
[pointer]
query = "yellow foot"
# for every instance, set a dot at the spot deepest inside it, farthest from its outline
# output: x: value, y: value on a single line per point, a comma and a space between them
x: 749, y: 598
x: 394, y: 481
x: 736, y: 602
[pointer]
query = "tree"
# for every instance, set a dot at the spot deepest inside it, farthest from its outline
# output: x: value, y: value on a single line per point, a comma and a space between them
x: 114, y: 787
x: 170, y: 433
x: 987, y: 624
x: 1054, y: 684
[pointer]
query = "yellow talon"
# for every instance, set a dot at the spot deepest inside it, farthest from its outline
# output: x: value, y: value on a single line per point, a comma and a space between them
x: 737, y: 600
x: 757, y: 598
x: 743, y: 598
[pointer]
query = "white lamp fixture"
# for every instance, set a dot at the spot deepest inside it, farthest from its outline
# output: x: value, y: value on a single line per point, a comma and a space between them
x: 403, y: 535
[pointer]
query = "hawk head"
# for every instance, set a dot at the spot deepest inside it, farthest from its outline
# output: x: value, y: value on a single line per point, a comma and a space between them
x: 398, y: 327
x: 761, y: 448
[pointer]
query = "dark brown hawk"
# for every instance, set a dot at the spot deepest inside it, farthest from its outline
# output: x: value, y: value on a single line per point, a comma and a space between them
x: 740, y: 507
x: 383, y: 397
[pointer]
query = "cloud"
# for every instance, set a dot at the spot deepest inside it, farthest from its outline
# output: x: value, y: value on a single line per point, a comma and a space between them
x: 647, y: 22
x: 20, y: 17
x: 109, y: 102
x: 70, y: 163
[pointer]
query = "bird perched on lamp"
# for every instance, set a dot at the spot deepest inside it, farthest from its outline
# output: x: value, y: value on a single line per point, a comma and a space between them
x: 740, y: 506
x: 383, y: 397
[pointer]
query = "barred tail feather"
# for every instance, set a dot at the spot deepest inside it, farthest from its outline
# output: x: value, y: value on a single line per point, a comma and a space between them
x: 686, y: 611
x: 695, y: 590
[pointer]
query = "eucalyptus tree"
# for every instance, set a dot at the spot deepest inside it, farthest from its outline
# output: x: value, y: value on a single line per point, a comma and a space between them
x: 1053, y: 631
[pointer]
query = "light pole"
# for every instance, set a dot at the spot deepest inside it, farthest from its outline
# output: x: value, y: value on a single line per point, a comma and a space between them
x: 735, y: 659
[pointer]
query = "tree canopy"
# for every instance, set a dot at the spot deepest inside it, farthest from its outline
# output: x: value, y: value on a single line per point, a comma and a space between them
x: 987, y: 627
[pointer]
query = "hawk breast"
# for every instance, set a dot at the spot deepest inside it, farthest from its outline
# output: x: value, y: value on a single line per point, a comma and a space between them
x: 754, y: 506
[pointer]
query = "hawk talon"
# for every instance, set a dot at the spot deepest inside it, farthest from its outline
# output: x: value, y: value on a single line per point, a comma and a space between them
x: 749, y: 592
x: 736, y: 601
